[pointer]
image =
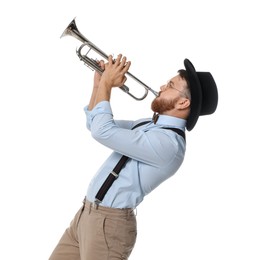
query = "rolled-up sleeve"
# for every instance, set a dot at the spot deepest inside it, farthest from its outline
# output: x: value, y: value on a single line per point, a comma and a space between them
x: 101, y: 108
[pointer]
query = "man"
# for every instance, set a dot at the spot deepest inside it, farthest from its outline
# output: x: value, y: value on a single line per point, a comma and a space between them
x: 105, y: 226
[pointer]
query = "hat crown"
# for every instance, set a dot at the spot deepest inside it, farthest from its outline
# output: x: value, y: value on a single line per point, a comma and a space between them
x: 209, y: 93
x: 204, y: 94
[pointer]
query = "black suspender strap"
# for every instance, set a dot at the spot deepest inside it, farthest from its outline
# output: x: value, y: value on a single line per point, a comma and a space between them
x: 114, y: 174
x: 110, y: 179
x: 177, y: 130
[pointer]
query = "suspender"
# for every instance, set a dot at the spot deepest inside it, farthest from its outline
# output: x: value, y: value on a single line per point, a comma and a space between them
x: 115, y: 172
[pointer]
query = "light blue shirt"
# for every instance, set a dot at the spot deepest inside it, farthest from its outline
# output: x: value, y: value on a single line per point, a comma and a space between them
x: 155, y: 155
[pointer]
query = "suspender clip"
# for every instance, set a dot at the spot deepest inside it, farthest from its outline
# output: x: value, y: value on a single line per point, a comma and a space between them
x: 115, y: 174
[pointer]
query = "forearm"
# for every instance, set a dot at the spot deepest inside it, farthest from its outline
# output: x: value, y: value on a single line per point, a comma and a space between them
x: 96, y: 81
x: 92, y: 100
x: 103, y: 93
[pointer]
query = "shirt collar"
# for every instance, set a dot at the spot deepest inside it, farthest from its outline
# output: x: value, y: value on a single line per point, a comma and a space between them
x: 171, y: 121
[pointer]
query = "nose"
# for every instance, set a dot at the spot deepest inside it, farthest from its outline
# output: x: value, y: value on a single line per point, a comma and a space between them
x: 162, y: 88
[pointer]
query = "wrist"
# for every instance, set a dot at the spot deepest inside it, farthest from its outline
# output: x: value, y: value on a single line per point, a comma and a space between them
x: 105, y: 84
x: 104, y: 92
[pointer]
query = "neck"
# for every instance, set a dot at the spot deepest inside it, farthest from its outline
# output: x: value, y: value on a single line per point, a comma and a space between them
x: 183, y: 114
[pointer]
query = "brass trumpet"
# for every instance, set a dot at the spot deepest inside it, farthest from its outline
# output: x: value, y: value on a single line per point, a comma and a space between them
x: 72, y: 30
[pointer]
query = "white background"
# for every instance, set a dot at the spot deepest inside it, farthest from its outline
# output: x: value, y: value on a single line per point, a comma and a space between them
x: 216, y: 206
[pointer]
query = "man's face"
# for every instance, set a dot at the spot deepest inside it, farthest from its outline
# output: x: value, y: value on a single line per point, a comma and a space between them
x: 169, y: 95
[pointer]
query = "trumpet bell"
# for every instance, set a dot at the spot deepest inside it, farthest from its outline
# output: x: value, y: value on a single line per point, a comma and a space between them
x: 73, y: 31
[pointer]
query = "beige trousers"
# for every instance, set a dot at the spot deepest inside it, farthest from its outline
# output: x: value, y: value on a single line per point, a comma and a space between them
x: 98, y: 234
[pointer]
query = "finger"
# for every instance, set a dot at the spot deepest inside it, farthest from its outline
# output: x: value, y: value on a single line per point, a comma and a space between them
x: 126, y: 67
x: 123, y: 62
x: 102, y: 64
x: 124, y: 80
x: 118, y: 60
x: 110, y: 60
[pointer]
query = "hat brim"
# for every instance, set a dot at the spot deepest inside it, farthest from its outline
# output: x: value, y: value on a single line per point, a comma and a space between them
x: 196, y: 95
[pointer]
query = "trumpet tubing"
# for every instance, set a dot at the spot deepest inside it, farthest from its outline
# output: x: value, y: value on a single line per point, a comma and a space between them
x: 72, y: 30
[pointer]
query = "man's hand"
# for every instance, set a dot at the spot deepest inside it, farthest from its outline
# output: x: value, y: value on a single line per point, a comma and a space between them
x: 114, y: 74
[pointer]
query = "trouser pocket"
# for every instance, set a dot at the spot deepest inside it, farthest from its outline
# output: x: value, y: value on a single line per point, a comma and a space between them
x: 120, y: 236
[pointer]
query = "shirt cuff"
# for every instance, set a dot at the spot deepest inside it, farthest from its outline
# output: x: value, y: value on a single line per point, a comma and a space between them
x: 102, y: 107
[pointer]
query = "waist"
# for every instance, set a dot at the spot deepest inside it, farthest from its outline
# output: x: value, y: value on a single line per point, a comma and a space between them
x: 112, y: 212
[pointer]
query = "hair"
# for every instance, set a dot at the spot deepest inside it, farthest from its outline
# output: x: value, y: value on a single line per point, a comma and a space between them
x: 183, y: 74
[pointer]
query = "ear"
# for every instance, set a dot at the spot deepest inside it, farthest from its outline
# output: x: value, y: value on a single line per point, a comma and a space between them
x: 182, y: 103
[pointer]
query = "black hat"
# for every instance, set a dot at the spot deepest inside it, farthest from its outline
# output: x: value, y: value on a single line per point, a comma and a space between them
x: 204, y: 94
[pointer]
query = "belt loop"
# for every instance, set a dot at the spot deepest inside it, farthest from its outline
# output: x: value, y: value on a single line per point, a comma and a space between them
x: 84, y: 202
x: 96, y: 204
x: 128, y: 214
x: 90, y: 208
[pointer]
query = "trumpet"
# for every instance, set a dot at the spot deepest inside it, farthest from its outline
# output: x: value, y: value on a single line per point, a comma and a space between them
x: 72, y: 30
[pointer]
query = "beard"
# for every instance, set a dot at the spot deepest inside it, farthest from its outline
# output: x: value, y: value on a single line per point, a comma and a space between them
x: 160, y: 105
